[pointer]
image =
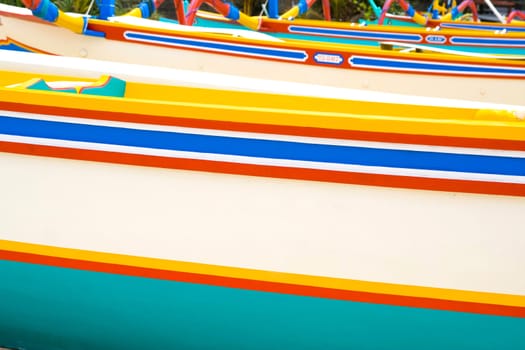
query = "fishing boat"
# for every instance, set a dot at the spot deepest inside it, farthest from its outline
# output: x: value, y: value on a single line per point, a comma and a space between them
x: 439, y: 16
x: 140, y: 213
x: 429, y: 30
x: 393, y: 67
x: 496, y: 42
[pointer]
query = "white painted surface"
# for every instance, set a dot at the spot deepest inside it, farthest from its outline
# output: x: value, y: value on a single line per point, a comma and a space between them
x: 440, y: 239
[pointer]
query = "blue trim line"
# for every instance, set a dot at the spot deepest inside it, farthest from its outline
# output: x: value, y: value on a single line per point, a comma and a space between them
x: 94, y: 33
x: 354, y: 33
x: 273, y: 149
x: 484, y: 27
x: 420, y: 66
x: 488, y: 41
x: 210, y: 45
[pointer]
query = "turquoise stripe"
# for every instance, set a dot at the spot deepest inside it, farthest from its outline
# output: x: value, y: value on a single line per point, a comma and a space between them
x: 47, y: 308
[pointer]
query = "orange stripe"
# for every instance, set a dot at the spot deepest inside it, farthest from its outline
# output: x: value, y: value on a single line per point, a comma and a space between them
x: 411, y: 182
x: 264, y: 286
x: 517, y: 145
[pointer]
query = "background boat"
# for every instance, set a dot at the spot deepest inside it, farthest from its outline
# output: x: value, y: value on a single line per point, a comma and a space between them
x: 371, y: 35
x: 452, y: 19
x: 407, y: 71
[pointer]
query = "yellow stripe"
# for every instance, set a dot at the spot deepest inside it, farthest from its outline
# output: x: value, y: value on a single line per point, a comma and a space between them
x: 291, y: 13
x: 249, y: 21
x: 302, y: 112
x: 75, y: 24
x: 267, y: 276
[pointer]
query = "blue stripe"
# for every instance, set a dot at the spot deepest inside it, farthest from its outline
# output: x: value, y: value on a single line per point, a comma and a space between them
x: 484, y: 27
x: 234, y: 48
x: 488, y: 41
x: 355, y: 33
x: 263, y: 148
x: 435, y: 67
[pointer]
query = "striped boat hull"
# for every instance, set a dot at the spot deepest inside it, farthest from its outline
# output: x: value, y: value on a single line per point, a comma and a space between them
x: 498, y: 81
x: 354, y: 34
x: 204, y: 218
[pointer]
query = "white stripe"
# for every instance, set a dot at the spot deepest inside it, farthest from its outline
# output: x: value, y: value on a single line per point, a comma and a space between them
x: 266, y: 161
x: 272, y: 137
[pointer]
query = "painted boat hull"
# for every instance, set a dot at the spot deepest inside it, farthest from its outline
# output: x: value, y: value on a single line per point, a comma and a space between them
x: 370, y: 35
x: 499, y: 81
x: 230, y: 224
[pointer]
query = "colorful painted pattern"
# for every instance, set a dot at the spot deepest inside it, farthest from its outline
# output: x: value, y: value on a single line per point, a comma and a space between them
x: 266, y: 154
x: 412, y: 65
x: 306, y: 53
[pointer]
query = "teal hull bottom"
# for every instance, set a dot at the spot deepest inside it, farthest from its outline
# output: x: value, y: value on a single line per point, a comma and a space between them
x: 48, y: 308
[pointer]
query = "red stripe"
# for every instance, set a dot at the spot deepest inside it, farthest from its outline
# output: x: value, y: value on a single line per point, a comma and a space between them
x: 411, y: 182
x: 274, y: 287
x: 517, y: 145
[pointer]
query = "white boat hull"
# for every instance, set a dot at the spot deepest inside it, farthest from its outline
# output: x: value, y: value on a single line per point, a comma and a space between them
x: 439, y: 239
